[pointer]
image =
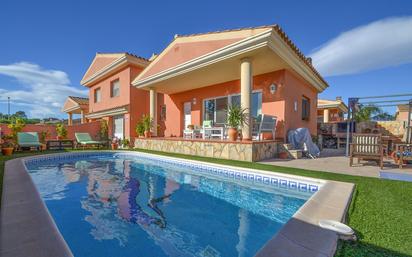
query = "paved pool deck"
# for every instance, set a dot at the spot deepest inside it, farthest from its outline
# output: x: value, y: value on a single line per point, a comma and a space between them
x: 336, y: 162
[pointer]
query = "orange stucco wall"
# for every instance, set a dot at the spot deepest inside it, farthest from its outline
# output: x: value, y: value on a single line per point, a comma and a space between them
x: 402, y: 116
x: 136, y: 100
x: 280, y: 104
x: 295, y: 89
x: 182, y: 52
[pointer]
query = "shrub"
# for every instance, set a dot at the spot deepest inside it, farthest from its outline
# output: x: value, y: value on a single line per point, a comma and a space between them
x: 16, y: 126
x: 140, y: 128
x: 104, y: 130
x: 147, y: 122
x: 61, y: 130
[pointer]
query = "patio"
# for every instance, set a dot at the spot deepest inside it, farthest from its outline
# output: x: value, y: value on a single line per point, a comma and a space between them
x: 335, y: 161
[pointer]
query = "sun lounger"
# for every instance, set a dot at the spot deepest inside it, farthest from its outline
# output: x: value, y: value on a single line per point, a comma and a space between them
x: 28, y: 140
x: 84, y: 139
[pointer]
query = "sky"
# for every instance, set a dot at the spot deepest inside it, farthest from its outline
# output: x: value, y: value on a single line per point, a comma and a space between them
x: 361, y: 48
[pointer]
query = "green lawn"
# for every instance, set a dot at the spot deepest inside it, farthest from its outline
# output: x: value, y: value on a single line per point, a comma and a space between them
x: 381, y: 210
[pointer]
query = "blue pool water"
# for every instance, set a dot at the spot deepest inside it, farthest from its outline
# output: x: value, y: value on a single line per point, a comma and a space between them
x: 127, y: 205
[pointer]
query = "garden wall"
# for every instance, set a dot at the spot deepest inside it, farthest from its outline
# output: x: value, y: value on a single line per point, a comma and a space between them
x: 92, y: 128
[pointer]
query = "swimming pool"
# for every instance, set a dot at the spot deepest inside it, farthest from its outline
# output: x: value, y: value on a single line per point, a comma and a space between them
x: 132, y: 204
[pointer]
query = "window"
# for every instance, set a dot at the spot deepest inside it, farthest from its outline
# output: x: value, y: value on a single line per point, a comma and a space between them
x: 221, y: 110
x: 305, y: 108
x: 163, y: 113
x: 115, y: 88
x: 216, y: 109
x: 256, y: 103
x: 97, y: 95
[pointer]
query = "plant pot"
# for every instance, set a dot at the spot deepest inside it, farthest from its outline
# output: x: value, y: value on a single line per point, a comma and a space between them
x: 115, y: 146
x: 7, y: 151
x: 267, y: 136
x: 147, y: 134
x: 43, y: 147
x: 283, y: 155
x: 232, y: 134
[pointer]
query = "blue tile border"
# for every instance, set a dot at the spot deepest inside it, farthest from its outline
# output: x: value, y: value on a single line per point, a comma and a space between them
x: 227, y: 172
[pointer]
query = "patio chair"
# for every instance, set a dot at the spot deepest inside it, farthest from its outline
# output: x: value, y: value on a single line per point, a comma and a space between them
x: 84, y: 139
x: 28, y: 140
x: 192, y: 133
x: 264, y: 123
x: 367, y: 146
x: 206, y: 124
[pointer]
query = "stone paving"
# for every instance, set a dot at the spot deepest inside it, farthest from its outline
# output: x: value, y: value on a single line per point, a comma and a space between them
x: 336, y: 162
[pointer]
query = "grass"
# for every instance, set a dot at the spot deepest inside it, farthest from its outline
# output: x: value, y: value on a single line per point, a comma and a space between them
x: 380, y: 212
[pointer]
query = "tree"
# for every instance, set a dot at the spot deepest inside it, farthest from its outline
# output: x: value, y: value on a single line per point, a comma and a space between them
x: 20, y: 114
x: 384, y: 116
x: 366, y: 113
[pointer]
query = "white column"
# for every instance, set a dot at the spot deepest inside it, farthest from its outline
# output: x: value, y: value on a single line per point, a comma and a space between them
x: 70, y: 119
x: 153, y: 110
x: 246, y: 82
x: 326, y: 115
x: 83, y: 118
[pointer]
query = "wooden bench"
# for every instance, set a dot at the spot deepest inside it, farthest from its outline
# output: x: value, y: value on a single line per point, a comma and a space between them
x: 367, y: 146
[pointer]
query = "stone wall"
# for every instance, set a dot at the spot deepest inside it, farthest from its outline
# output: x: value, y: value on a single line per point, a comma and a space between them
x: 388, y: 128
x: 251, y: 151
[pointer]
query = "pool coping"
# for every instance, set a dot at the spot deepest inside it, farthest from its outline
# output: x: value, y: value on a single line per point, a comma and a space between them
x: 28, y: 227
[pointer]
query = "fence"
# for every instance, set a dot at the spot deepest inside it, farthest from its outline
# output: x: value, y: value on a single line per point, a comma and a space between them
x: 92, y: 128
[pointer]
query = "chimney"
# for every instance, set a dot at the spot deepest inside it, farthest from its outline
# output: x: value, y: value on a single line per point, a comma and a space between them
x: 339, y: 98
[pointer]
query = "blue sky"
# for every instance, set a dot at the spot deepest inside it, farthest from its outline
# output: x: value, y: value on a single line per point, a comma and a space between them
x: 46, y: 46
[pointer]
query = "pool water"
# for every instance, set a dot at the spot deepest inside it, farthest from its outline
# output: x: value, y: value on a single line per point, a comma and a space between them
x: 126, y: 205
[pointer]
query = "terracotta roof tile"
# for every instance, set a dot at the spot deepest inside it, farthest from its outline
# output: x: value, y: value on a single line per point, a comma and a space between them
x: 80, y: 100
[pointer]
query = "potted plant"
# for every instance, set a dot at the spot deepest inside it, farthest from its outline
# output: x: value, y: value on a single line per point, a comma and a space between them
x: 61, y: 131
x: 125, y: 143
x: 236, y: 118
x: 283, y: 155
x: 7, y: 147
x: 43, y: 135
x: 140, y: 129
x: 115, y: 143
x: 148, y: 125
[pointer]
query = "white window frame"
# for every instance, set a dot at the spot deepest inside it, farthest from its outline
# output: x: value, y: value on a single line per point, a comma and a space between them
x: 229, y: 102
x: 97, y: 99
x: 112, y: 84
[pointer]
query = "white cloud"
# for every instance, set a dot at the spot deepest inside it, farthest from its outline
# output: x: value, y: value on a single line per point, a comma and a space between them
x: 379, y: 44
x: 42, y: 91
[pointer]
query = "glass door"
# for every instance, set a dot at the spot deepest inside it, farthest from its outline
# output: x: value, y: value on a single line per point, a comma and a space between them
x: 118, y: 126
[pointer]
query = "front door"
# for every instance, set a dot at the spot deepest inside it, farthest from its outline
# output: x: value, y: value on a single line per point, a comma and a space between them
x: 118, y: 126
x: 187, y: 107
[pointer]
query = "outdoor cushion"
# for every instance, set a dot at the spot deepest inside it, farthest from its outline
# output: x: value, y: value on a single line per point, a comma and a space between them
x: 85, y: 139
x: 207, y: 123
x: 28, y: 139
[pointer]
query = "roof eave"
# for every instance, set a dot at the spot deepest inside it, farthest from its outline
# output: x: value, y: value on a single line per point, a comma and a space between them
x: 268, y: 38
x: 115, y: 65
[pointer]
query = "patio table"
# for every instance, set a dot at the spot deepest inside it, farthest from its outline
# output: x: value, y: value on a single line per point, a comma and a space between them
x: 213, y: 132
x: 59, y: 144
